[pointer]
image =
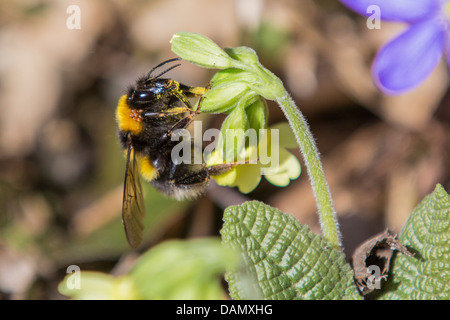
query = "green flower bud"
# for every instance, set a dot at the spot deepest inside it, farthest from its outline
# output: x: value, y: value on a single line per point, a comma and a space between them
x: 230, y: 76
x: 228, y: 87
x: 223, y: 99
x: 257, y: 114
x: 232, y: 138
x: 200, y: 50
x: 243, y: 54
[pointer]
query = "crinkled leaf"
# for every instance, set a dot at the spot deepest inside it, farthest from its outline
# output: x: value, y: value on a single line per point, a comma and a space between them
x: 426, y: 275
x: 283, y: 259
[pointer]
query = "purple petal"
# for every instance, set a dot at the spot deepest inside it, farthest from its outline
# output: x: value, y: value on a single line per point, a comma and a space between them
x: 396, y: 10
x: 448, y: 51
x: 408, y: 59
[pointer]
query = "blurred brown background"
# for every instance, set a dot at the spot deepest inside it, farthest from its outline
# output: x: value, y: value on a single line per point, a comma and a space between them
x: 61, y: 168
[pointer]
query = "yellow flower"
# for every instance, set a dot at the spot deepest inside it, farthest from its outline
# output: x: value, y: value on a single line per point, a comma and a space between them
x: 98, y: 286
x: 272, y: 158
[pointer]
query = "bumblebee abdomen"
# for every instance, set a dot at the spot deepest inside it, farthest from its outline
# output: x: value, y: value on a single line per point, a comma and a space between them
x: 146, y: 168
x: 181, y: 181
x: 180, y: 192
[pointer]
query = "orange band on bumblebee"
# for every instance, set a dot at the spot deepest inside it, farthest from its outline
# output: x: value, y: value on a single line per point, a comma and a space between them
x: 128, y: 119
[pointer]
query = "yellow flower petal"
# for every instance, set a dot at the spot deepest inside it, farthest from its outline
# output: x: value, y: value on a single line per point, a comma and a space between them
x: 248, y: 177
x: 288, y: 169
x: 228, y: 178
x: 287, y: 137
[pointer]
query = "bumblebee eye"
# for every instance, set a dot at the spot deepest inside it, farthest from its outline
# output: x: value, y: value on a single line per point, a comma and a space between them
x: 148, y: 94
x: 143, y: 96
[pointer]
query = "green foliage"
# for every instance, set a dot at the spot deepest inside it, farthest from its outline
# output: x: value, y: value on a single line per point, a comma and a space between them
x: 171, y: 270
x: 282, y: 258
x: 183, y: 270
x: 426, y: 233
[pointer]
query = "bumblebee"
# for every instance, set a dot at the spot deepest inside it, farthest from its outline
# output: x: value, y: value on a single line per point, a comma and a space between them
x: 147, y: 117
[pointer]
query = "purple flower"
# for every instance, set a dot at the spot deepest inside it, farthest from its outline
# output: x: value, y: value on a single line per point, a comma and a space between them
x: 407, y: 60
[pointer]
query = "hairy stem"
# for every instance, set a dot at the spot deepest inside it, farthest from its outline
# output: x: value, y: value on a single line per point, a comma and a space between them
x: 327, y: 214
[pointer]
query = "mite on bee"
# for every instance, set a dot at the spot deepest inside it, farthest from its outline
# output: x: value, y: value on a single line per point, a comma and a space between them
x: 147, y: 117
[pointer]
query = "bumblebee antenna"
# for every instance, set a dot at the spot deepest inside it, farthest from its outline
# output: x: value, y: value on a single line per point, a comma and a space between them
x: 173, y: 67
x: 149, y: 76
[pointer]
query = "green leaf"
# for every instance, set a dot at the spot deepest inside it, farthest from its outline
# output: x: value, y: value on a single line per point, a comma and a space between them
x: 171, y: 270
x: 427, y: 234
x: 183, y: 270
x: 283, y: 259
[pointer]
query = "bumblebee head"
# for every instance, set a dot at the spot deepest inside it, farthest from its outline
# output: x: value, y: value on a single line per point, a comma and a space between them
x: 150, y: 88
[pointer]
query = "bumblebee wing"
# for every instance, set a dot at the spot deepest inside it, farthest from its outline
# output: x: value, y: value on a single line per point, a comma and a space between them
x: 133, y: 208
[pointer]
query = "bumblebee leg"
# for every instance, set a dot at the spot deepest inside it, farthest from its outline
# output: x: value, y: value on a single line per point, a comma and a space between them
x: 182, y: 97
x: 194, y: 91
x: 182, y: 92
x: 182, y: 124
x: 186, y: 121
x: 202, y: 174
x: 218, y: 169
x: 198, y: 91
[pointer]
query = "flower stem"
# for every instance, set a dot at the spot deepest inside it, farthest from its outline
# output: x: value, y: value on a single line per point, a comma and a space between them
x: 327, y: 214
